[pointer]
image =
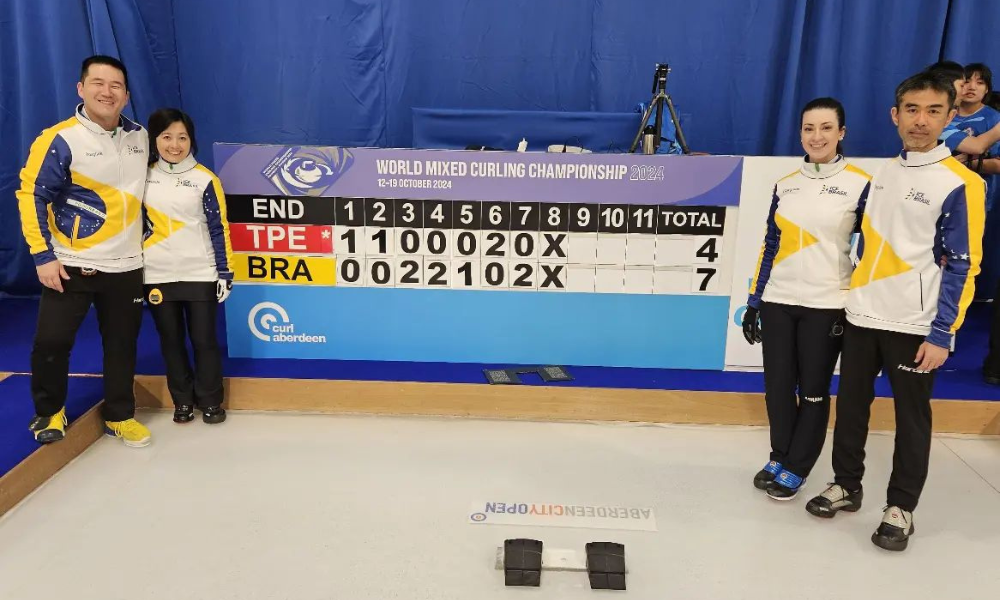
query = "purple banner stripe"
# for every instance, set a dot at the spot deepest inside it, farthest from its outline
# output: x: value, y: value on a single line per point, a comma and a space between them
x: 470, y: 175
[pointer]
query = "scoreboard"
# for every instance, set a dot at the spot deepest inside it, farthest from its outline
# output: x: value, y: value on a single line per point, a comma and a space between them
x: 491, y: 245
x: 463, y: 256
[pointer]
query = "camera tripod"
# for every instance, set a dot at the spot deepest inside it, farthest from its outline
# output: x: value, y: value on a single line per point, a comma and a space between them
x: 660, y: 97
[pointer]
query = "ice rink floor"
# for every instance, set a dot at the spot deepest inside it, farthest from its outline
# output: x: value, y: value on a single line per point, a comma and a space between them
x: 319, y: 507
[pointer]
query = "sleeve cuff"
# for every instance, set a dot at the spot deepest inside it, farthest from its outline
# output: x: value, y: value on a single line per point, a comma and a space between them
x: 226, y: 275
x: 43, y: 258
x: 753, y: 302
x: 939, y: 338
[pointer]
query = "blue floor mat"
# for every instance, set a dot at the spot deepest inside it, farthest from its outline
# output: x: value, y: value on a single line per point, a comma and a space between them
x: 17, y: 410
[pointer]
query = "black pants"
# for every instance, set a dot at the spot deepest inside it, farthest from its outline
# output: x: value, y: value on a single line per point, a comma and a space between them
x: 991, y: 368
x: 175, y: 322
x: 865, y: 352
x: 118, y: 300
x: 800, y: 352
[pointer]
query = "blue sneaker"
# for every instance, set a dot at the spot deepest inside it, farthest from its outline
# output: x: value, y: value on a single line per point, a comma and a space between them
x: 786, y: 485
x: 763, y: 479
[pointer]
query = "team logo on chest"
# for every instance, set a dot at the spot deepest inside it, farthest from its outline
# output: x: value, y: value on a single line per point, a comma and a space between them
x: 918, y: 197
x: 832, y: 189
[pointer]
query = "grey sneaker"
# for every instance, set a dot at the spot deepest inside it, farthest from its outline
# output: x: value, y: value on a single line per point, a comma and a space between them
x: 833, y: 500
x: 894, y: 531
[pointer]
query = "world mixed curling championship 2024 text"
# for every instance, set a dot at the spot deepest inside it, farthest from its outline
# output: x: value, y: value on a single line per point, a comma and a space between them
x: 512, y: 170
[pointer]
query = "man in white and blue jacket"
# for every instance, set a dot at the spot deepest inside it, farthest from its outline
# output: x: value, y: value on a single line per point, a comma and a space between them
x: 919, y: 249
x: 80, y: 202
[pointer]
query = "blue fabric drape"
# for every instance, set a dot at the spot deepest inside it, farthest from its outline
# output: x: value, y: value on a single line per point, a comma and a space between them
x: 350, y: 72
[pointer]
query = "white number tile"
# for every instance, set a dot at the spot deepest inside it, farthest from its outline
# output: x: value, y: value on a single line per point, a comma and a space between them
x: 524, y: 245
x: 610, y: 249
x: 580, y: 278
x: 672, y: 281
x: 673, y: 251
x: 495, y: 245
x: 639, y: 280
x: 466, y: 274
x: 357, y: 260
x: 582, y: 248
x: 407, y: 243
x: 523, y: 276
x: 554, y: 277
x: 442, y: 240
x: 374, y: 247
x: 409, y: 271
x: 610, y: 279
x: 640, y: 249
x: 468, y: 240
x: 553, y: 247
x: 495, y: 273
x: 379, y: 273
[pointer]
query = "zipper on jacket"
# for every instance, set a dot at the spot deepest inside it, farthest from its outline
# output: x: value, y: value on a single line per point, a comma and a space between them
x: 921, y: 275
x: 76, y: 231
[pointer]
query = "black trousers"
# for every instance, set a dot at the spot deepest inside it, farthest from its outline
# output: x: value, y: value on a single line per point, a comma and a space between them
x: 866, y: 351
x: 800, y: 352
x: 118, y: 300
x: 991, y: 368
x: 176, y: 321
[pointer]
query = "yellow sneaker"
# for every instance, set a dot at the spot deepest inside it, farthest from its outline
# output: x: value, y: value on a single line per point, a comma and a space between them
x: 132, y: 432
x: 49, y: 429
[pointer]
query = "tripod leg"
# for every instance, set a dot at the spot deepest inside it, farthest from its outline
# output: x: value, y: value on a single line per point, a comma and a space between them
x: 677, y: 126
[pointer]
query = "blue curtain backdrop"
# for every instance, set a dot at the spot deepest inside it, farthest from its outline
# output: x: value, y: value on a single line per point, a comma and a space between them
x: 349, y: 72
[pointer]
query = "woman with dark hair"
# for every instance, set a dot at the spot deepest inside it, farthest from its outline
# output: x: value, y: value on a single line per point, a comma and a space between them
x: 187, y: 256
x: 798, y: 294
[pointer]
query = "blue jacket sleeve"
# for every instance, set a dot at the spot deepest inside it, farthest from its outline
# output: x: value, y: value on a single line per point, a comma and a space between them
x: 962, y: 221
x: 767, y: 253
x: 214, y: 203
x: 859, y: 212
x: 43, y: 178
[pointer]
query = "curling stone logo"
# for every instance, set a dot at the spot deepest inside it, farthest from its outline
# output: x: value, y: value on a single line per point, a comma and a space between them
x: 305, y: 171
x: 269, y: 322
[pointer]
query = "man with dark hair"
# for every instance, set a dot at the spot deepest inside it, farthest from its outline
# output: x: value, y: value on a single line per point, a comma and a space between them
x: 80, y: 202
x: 904, y: 308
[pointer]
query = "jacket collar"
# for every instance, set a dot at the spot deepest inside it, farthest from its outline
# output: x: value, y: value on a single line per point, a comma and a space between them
x: 822, y: 170
x: 124, y: 123
x: 922, y: 159
x: 184, y: 166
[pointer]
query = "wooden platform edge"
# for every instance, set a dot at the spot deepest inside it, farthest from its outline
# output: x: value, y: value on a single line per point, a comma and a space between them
x: 47, y: 460
x: 548, y: 403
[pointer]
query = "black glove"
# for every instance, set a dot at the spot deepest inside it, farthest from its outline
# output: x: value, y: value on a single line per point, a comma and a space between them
x: 751, y: 325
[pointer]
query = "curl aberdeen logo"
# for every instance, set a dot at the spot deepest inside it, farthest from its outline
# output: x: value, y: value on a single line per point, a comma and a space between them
x: 269, y: 322
x: 305, y: 171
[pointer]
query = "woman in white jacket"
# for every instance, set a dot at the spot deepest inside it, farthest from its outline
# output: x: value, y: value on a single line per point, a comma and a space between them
x: 799, y: 292
x: 187, y: 256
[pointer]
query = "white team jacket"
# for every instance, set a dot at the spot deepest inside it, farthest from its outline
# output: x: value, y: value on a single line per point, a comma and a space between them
x: 805, y: 257
x: 924, y: 209
x: 187, y: 233
x: 81, y: 194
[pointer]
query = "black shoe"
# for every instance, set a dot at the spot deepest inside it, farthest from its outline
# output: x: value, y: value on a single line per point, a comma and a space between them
x: 765, y: 477
x: 833, y: 500
x: 786, y: 486
x: 49, y: 429
x: 213, y: 414
x: 894, y: 531
x: 183, y: 413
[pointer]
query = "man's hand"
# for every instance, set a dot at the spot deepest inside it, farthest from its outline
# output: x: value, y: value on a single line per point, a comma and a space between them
x: 51, y: 275
x: 930, y: 357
